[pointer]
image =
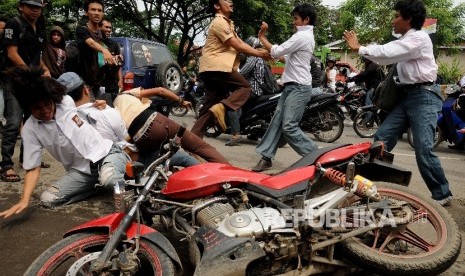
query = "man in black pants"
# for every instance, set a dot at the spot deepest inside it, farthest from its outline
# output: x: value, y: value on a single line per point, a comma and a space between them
x: 112, y: 73
x: 23, y: 43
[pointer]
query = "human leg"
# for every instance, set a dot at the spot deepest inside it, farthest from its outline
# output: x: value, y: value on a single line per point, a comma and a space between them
x: 10, y: 132
x: 214, y: 93
x: 422, y: 108
x: 392, y: 127
x: 2, y: 108
x: 113, y: 166
x: 234, y: 121
x: 163, y: 128
x: 269, y: 143
x: 294, y: 107
x: 72, y: 187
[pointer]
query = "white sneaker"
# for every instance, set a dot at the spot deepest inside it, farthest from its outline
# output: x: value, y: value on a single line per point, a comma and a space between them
x: 445, y: 201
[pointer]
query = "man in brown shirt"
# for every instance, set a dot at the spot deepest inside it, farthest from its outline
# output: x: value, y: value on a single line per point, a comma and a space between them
x: 225, y: 88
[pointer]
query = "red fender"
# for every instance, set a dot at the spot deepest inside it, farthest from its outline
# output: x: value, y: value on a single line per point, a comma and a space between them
x: 109, y: 224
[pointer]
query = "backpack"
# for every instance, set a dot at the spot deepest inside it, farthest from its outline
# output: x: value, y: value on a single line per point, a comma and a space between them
x: 3, y: 54
x: 269, y: 85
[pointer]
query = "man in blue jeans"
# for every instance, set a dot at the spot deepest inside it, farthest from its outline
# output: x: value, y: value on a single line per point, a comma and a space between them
x: 297, y: 91
x: 421, y: 101
x: 56, y: 125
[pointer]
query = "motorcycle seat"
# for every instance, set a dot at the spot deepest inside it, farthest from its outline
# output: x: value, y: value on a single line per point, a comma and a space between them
x: 322, y: 96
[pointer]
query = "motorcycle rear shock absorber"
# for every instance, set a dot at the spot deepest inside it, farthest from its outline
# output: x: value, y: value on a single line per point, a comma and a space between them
x: 360, y: 185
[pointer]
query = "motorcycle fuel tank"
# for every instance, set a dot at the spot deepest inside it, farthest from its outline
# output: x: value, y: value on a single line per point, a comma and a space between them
x: 208, y: 178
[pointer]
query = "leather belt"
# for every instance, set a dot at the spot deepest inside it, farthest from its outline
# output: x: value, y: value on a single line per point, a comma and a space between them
x: 416, y: 85
x: 290, y: 83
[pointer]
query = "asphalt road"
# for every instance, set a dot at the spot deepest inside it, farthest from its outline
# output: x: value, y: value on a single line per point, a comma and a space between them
x: 23, y: 241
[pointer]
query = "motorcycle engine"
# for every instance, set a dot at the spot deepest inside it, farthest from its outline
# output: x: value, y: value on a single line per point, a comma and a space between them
x: 248, y: 223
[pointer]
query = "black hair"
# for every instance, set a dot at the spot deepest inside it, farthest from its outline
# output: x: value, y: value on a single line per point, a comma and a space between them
x: 211, y: 6
x: 88, y: 2
x: 414, y: 10
x: 30, y: 87
x: 77, y: 94
x: 305, y: 10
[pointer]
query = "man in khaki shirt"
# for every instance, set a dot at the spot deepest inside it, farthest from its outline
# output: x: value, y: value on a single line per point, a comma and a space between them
x: 225, y: 88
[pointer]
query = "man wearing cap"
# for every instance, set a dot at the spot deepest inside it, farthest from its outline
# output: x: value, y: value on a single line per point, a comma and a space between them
x: 23, y: 41
x: 57, y: 126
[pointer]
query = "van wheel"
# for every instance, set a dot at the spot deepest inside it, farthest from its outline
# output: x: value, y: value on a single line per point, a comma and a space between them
x: 169, y: 76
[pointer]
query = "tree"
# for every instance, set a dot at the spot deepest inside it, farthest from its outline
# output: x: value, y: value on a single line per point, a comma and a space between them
x: 371, y: 19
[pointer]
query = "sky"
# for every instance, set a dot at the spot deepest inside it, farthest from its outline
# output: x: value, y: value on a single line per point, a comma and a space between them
x: 336, y: 3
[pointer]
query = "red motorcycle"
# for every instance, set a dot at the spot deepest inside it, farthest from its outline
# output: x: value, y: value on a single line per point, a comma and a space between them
x: 322, y: 214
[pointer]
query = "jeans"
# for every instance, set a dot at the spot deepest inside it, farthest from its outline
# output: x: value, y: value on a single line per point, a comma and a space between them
x: 289, y: 112
x: 180, y: 158
x: 10, y: 132
x: 2, y: 108
x: 234, y: 120
x: 368, y: 102
x: 418, y: 109
x: 75, y: 185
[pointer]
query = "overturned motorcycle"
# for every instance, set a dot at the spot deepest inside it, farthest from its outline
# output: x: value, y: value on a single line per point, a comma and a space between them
x: 239, y: 222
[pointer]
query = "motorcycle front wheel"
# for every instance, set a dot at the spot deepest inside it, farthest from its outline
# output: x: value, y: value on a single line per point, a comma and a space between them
x: 73, y: 256
x: 364, y: 126
x: 326, y: 125
x: 427, y: 245
x: 179, y: 111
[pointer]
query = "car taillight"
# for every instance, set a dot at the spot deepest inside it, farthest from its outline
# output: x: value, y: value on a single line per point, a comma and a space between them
x: 128, y: 81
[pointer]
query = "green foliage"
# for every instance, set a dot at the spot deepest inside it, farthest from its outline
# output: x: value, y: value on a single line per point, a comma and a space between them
x: 371, y: 19
x: 451, y: 72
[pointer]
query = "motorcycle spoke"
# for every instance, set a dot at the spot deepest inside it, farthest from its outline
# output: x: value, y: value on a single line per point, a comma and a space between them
x: 419, y: 215
x: 412, y: 238
x: 388, y: 239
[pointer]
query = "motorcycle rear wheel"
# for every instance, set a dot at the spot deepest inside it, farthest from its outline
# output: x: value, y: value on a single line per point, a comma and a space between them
x: 327, y: 126
x: 364, y: 128
x: 427, y: 245
x: 69, y: 255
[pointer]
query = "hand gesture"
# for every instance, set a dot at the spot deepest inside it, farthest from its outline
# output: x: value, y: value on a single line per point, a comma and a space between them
x: 352, y: 40
x: 263, y: 29
x: 100, y: 104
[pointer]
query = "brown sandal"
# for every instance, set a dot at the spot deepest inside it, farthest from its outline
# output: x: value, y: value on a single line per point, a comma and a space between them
x: 9, y: 177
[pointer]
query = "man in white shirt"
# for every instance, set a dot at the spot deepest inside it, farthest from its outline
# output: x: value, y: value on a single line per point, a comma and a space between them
x: 419, y: 108
x: 55, y: 125
x: 297, y: 92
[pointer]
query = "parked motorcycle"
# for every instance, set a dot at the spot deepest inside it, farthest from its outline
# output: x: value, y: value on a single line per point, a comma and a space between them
x: 321, y: 118
x: 351, y: 98
x: 192, y: 92
x: 239, y: 222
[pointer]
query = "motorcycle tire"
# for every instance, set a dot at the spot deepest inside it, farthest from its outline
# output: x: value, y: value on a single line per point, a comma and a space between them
x: 438, y: 137
x: 330, y: 125
x: 385, y: 252
x: 169, y: 76
x: 212, y: 131
x: 363, y: 128
x: 179, y: 111
x: 73, y: 254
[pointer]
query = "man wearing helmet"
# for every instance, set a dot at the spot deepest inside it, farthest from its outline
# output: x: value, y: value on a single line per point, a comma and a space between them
x: 331, y: 73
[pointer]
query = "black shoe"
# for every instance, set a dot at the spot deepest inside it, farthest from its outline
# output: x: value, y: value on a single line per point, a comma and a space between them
x: 262, y: 165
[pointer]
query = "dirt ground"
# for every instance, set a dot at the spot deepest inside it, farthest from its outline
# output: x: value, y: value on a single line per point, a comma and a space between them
x: 24, y: 239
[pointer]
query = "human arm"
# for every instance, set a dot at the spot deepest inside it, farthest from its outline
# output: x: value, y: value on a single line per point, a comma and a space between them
x: 401, y: 50
x: 83, y: 36
x: 30, y: 181
x: 160, y: 92
x: 262, y: 37
x: 242, y: 47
